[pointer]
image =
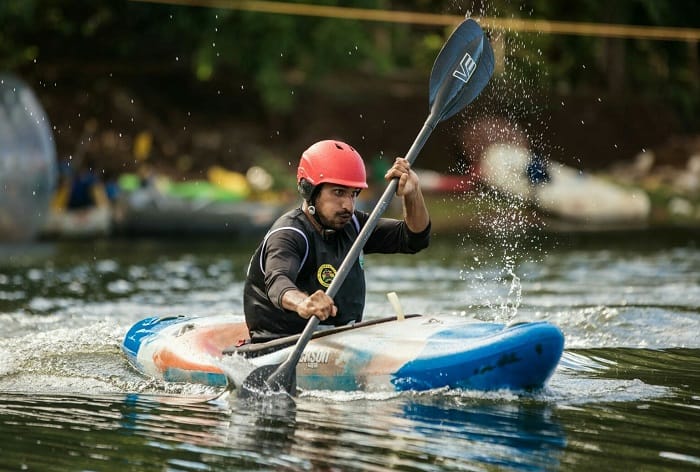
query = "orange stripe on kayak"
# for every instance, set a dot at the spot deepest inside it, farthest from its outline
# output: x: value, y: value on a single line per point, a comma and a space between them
x: 201, y: 341
x: 167, y: 359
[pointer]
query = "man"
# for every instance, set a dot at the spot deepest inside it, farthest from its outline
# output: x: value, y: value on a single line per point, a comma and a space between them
x: 302, y: 251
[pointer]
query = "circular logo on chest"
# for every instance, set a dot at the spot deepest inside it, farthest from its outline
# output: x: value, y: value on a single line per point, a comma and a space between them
x: 325, y: 274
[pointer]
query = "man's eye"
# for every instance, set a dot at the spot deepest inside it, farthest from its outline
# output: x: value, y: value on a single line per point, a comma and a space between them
x: 342, y: 193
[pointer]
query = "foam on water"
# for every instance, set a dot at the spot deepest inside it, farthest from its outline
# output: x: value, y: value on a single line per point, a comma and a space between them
x: 236, y: 367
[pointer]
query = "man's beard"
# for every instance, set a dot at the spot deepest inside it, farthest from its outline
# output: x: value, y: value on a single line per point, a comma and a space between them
x: 339, y: 220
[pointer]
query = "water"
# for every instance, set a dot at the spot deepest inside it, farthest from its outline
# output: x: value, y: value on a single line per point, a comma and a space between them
x: 626, y: 395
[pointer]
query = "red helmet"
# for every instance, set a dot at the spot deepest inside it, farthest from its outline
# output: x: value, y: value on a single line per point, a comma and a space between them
x: 332, y: 162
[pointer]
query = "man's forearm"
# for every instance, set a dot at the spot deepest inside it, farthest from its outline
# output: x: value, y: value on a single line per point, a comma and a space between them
x: 291, y: 299
x: 416, y: 213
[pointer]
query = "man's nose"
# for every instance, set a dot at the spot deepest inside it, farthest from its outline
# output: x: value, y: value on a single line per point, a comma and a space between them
x: 349, y: 201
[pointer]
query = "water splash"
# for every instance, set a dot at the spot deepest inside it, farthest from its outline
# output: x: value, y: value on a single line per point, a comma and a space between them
x: 236, y: 367
x: 502, y: 225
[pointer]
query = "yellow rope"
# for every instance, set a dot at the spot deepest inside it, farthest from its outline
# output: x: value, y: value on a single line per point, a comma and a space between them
x: 504, y: 24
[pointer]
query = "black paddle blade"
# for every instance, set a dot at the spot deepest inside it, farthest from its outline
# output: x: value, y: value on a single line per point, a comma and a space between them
x: 268, y: 380
x: 461, y: 70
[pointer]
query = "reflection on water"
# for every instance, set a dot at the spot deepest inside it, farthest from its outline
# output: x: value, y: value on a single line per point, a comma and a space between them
x: 518, y: 435
x: 430, y: 431
x: 402, y: 432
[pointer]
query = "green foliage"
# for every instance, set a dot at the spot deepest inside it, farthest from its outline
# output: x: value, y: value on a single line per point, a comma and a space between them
x: 278, y: 56
x: 16, y: 18
x: 585, y: 63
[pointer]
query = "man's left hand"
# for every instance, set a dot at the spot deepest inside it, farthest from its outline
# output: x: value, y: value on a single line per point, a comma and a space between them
x: 408, y: 180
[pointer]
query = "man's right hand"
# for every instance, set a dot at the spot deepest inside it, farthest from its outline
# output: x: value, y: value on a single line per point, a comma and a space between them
x: 317, y: 304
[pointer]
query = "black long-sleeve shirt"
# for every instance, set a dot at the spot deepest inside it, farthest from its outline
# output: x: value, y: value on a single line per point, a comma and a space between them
x: 294, y: 255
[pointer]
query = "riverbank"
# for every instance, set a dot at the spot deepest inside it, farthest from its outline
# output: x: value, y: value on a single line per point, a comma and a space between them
x: 120, y: 125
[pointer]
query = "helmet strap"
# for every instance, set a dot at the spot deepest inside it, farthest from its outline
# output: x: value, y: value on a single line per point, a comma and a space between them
x: 326, y: 232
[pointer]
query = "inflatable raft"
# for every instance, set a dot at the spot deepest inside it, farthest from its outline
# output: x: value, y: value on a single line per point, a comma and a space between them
x: 415, y: 353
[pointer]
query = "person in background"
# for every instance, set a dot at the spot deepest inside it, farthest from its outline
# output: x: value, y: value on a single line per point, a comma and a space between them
x: 299, y: 256
x: 87, y: 190
x: 77, y: 191
x: 537, y: 172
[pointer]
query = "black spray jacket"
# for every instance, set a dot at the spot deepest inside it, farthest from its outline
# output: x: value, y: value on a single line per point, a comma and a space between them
x: 294, y: 255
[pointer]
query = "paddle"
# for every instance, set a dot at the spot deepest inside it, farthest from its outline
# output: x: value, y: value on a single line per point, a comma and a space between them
x: 460, y: 72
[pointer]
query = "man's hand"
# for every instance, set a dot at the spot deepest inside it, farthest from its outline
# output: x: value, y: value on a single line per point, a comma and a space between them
x: 317, y: 304
x: 408, y: 180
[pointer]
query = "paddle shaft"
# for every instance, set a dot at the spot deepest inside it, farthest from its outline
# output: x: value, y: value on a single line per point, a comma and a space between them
x: 290, y: 363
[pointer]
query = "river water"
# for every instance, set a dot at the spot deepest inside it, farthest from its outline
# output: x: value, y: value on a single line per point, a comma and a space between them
x: 626, y: 395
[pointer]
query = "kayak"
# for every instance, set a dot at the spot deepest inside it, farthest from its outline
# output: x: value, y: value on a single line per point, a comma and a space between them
x: 565, y: 193
x: 388, y: 354
x: 95, y: 221
x: 149, y: 212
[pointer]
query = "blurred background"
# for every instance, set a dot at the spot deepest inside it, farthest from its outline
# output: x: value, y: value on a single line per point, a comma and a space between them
x: 211, y: 102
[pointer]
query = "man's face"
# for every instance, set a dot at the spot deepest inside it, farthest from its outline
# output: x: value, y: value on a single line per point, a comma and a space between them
x: 335, y: 205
